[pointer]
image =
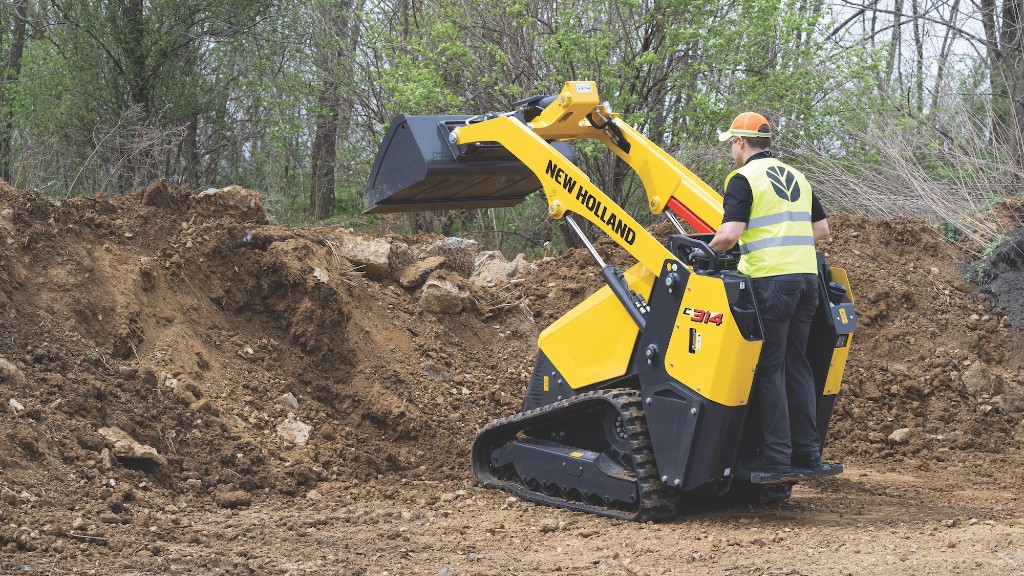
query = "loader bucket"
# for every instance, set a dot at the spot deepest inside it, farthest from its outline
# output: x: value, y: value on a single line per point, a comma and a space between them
x: 417, y: 170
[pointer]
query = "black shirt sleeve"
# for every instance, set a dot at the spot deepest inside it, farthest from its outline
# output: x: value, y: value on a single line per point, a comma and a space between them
x: 817, y: 212
x: 738, y: 199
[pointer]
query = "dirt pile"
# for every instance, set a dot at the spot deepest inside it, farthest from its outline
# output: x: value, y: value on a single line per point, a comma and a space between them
x: 930, y: 355
x: 170, y: 347
x: 244, y: 357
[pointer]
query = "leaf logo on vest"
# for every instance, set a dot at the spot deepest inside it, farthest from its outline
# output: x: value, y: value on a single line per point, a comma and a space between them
x: 784, y: 183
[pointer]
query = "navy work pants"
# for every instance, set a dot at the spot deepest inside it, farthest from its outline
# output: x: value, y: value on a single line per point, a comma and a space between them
x: 784, y: 383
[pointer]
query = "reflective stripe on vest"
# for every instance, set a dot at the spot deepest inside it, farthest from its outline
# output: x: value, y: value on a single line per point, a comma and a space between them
x: 778, y: 238
x: 778, y: 219
x: 775, y: 243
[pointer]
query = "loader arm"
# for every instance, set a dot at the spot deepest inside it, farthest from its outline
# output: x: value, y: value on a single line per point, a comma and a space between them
x: 575, y: 114
x: 567, y: 188
x: 667, y: 182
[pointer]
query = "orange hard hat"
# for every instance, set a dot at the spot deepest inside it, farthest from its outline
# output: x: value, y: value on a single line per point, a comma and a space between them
x: 747, y: 124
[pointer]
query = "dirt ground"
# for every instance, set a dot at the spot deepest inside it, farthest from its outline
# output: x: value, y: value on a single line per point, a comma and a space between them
x: 188, y: 388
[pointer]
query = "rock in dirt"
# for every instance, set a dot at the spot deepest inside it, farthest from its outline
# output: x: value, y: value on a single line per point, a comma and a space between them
x: 459, y: 253
x: 1011, y: 401
x: 369, y: 255
x: 11, y: 374
x: 232, y: 498
x: 446, y: 572
x: 287, y: 400
x: 439, y: 296
x: 204, y: 405
x: 294, y: 431
x: 551, y: 525
x: 415, y: 274
x: 110, y: 518
x: 492, y: 269
x: 180, y: 393
x: 9, y: 496
x: 16, y: 406
x: 106, y: 459
x: 901, y: 436
x: 979, y: 379
x: 233, y: 201
x: 128, y: 450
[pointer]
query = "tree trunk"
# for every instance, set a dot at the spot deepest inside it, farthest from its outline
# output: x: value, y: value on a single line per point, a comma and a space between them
x: 6, y: 106
x: 1005, y: 47
x: 336, y: 36
x: 897, y: 39
x: 947, y: 45
x: 1011, y: 43
x: 325, y: 152
x: 191, y: 152
x: 918, y: 24
x: 133, y: 44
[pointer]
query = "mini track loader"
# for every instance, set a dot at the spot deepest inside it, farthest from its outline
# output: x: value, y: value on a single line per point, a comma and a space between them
x: 640, y: 395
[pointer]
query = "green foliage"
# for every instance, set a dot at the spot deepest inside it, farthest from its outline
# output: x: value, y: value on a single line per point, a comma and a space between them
x: 981, y: 272
x: 949, y: 231
x: 226, y: 91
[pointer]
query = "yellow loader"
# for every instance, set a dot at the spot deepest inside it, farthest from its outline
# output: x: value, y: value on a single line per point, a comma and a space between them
x: 640, y: 397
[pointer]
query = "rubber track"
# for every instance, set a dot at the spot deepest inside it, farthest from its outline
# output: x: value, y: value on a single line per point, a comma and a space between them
x: 656, y: 501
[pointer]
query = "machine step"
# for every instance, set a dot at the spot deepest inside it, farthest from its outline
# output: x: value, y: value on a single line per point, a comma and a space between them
x: 793, y: 475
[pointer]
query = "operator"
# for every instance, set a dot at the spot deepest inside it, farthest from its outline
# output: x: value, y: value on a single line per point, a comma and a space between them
x: 770, y: 210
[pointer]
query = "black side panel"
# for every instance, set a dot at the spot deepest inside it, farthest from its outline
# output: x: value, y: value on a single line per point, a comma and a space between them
x: 416, y: 170
x: 695, y: 440
x: 540, y: 392
x: 825, y: 406
x: 826, y: 336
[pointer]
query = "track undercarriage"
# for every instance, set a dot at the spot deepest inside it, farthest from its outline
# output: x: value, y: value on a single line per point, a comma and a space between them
x: 589, y: 453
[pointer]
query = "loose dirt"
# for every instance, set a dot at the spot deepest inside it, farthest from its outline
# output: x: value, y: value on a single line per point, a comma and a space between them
x: 303, y: 401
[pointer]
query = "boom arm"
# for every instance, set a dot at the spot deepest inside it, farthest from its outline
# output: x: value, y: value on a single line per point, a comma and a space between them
x: 566, y: 186
x: 577, y: 114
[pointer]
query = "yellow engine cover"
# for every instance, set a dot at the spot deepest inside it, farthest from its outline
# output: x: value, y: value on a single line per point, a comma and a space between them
x: 594, y: 341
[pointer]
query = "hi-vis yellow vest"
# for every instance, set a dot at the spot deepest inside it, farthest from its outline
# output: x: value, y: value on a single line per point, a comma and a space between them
x: 778, y: 238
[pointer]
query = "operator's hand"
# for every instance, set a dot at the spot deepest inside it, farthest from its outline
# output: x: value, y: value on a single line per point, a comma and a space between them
x: 694, y: 255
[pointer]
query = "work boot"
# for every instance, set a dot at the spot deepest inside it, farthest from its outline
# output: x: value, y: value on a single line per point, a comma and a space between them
x: 761, y: 464
x: 808, y: 461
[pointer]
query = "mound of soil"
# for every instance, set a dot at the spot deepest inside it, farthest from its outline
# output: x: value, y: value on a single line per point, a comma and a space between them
x: 205, y: 333
x: 242, y: 360
x: 930, y: 355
